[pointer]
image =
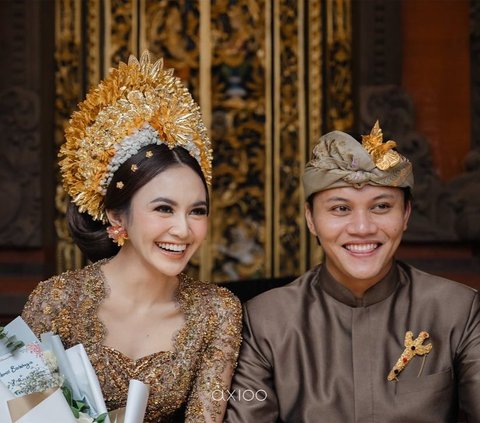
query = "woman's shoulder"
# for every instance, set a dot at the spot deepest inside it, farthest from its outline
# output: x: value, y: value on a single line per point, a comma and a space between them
x: 67, y: 285
x: 56, y: 303
x: 210, y: 295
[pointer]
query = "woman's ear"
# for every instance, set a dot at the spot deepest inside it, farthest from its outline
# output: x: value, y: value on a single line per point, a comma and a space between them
x: 115, y: 217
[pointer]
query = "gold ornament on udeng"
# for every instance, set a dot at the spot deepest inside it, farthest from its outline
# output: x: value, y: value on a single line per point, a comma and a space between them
x: 382, y: 154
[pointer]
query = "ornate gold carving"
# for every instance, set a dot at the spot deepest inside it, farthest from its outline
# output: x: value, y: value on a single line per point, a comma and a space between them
x: 314, y: 93
x: 270, y: 103
x: 172, y: 31
x: 68, y: 92
x: 339, y: 65
x: 121, y: 31
x: 290, y: 144
x: 93, y: 42
x: 238, y: 138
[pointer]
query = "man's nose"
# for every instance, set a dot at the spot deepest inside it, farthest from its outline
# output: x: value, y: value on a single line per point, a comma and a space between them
x: 361, y: 223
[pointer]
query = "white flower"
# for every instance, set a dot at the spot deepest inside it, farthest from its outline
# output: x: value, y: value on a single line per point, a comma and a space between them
x: 50, y: 361
x: 84, y: 418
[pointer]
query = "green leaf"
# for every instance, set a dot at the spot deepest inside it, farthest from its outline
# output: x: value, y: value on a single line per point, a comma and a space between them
x: 101, y: 418
x: 80, y: 405
x: 67, y: 393
x: 11, y: 342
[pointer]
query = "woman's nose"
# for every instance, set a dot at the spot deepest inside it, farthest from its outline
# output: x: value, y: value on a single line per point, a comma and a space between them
x: 180, y: 227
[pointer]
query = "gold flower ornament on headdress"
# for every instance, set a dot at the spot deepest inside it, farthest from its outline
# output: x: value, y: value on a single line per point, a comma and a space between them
x: 139, y: 103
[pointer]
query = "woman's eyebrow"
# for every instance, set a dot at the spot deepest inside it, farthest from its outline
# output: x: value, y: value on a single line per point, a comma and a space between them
x: 164, y: 200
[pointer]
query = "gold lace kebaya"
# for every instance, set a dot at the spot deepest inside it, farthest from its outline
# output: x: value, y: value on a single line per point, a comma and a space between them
x: 181, y: 381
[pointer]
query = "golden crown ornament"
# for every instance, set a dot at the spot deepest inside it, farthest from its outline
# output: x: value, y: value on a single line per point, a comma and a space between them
x: 138, y: 104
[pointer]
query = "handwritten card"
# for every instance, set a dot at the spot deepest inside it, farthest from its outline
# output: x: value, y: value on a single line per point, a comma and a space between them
x: 25, y: 371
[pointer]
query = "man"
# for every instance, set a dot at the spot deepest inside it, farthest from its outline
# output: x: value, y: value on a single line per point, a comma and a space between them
x: 363, y: 337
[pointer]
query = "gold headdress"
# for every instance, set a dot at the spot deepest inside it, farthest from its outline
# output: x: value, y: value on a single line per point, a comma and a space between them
x: 137, y: 104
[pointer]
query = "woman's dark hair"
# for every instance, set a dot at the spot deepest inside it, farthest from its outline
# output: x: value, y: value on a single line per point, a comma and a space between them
x: 90, y: 235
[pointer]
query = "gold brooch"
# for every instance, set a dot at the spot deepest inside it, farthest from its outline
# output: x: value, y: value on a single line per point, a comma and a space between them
x: 413, y: 347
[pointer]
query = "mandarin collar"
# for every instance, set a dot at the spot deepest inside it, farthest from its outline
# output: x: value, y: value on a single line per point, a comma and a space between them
x: 376, y: 293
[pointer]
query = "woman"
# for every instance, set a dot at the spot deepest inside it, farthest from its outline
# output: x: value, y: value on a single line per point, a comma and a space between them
x: 136, y: 163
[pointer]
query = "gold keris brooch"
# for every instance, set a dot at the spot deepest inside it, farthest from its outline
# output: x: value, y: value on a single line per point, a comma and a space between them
x: 413, y: 347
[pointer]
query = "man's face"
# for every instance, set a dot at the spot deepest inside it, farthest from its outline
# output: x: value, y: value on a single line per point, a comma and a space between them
x: 359, y: 230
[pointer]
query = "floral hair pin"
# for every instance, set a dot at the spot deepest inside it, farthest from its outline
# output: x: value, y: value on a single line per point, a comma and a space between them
x: 413, y: 347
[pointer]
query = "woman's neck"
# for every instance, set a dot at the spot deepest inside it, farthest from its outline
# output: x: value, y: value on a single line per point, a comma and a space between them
x: 133, y: 280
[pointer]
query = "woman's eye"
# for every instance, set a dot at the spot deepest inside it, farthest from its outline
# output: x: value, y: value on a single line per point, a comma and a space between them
x: 199, y: 211
x: 164, y: 209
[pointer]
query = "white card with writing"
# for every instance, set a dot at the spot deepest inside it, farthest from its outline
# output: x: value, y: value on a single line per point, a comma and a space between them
x: 24, y: 371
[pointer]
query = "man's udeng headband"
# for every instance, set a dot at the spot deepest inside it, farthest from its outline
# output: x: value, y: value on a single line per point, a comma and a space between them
x: 339, y: 160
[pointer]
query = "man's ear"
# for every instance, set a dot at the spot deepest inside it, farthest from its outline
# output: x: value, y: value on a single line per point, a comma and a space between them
x: 115, y: 217
x: 309, y: 219
x: 406, y: 216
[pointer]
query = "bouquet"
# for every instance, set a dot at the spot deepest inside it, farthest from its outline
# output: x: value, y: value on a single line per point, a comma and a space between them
x: 43, y: 382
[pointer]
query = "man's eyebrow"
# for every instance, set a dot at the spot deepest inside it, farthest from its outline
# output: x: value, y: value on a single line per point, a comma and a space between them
x: 334, y: 199
x: 383, y: 196
x: 346, y: 200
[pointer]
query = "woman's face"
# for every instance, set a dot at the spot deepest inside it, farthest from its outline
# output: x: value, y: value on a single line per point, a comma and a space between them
x: 167, y: 220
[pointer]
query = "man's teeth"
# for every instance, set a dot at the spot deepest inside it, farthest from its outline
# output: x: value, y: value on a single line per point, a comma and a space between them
x: 178, y: 248
x: 361, y: 248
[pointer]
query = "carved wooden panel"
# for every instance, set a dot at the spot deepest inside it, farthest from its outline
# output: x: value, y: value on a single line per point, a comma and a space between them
x: 21, y: 170
x: 69, y: 91
x: 289, y: 138
x: 239, y: 232
x: 338, y: 66
x: 315, y: 110
x: 26, y: 162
